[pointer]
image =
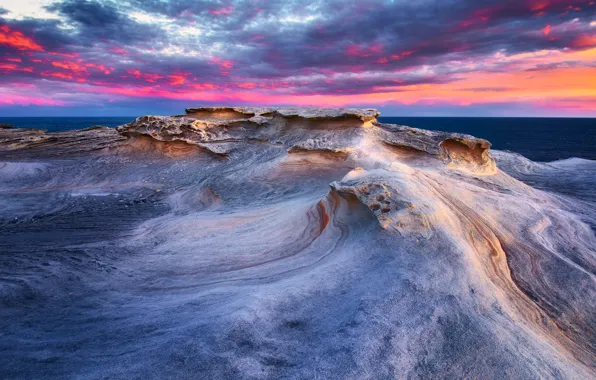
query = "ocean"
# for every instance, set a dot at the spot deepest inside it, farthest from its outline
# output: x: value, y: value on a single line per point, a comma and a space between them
x: 160, y: 261
x: 539, y: 139
x: 53, y: 124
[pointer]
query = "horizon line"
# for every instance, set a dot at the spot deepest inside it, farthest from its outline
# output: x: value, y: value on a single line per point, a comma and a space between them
x: 382, y: 116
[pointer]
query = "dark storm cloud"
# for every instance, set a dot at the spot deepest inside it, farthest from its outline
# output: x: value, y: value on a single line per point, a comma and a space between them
x: 342, y: 35
x: 97, y: 20
x: 375, y: 35
x: 88, y: 13
x: 177, y: 8
x: 430, y: 30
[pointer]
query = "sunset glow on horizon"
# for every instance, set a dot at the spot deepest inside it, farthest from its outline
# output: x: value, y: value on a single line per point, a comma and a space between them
x: 459, y: 58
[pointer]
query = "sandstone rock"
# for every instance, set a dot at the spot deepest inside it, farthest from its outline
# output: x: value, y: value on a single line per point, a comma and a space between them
x: 292, y: 243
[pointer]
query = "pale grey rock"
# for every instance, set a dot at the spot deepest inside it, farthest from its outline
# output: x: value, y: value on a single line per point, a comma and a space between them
x: 457, y: 148
x: 34, y: 141
x: 291, y: 243
x: 314, y: 113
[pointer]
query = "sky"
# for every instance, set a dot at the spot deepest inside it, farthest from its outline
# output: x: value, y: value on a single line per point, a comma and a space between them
x: 405, y: 58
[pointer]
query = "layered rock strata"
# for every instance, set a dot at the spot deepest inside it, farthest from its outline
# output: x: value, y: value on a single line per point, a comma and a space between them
x: 238, y: 242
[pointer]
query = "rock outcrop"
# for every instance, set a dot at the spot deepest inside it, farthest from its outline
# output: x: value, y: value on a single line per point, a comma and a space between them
x: 220, y: 129
x: 18, y: 142
x: 290, y: 243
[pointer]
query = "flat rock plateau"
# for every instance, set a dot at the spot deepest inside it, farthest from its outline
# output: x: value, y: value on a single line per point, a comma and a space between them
x: 291, y: 243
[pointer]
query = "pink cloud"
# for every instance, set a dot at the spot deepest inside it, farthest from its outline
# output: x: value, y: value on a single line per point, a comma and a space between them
x: 66, y: 55
x: 72, y: 66
x: 178, y: 79
x: 148, y: 77
x: 56, y: 74
x: 11, y: 99
x: 363, y: 51
x: 204, y: 86
x: 403, y: 54
x: 226, y: 64
x: 102, y: 68
x: 246, y: 85
x: 118, y: 50
x: 223, y: 11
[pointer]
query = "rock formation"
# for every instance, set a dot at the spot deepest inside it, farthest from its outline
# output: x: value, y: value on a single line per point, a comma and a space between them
x: 236, y: 242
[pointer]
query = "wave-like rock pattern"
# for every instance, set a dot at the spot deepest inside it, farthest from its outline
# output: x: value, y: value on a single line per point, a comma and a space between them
x: 14, y: 142
x: 235, y: 242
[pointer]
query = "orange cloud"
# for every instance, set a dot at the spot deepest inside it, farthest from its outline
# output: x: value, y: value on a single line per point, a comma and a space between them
x: 101, y: 68
x: 148, y: 77
x: 8, y: 66
x: 17, y: 40
x: 567, y: 88
x: 585, y: 41
x: 226, y: 64
x: 56, y: 75
x: 204, y: 86
x: 178, y: 79
x: 246, y: 85
x: 66, y: 55
x: 75, y: 67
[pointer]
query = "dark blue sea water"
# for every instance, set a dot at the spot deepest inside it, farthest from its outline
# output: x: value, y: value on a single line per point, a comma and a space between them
x: 539, y: 139
x: 52, y: 124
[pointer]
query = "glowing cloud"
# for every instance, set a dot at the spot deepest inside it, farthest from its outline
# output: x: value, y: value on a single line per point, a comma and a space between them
x: 17, y: 40
x: 524, y: 53
x: 223, y: 11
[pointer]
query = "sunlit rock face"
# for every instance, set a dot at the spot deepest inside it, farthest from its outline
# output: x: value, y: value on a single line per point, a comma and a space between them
x: 262, y: 243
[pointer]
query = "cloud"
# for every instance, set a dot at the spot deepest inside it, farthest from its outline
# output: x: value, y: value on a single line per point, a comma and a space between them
x: 90, y: 14
x: 17, y: 40
x: 488, y: 89
x: 384, y: 51
x: 95, y: 20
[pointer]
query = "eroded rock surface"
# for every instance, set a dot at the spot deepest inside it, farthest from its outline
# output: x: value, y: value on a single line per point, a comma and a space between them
x: 266, y: 243
x: 14, y: 142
